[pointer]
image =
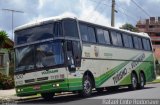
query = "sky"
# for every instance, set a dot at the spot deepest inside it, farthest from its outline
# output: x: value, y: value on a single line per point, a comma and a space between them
x: 96, y: 11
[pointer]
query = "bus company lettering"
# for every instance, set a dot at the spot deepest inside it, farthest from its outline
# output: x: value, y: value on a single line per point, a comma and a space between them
x: 49, y: 72
x: 137, y: 61
x: 119, y: 75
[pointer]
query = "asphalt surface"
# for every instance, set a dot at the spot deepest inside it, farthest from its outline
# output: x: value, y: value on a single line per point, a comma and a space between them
x: 151, y: 91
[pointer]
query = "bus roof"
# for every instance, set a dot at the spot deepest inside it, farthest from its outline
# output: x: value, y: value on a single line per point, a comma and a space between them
x: 56, y: 18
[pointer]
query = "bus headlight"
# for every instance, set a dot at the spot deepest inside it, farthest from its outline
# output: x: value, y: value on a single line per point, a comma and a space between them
x: 18, y: 90
x: 57, y: 85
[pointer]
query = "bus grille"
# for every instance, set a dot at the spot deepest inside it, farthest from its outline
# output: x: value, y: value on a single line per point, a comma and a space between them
x: 38, y: 79
x: 42, y: 79
x: 29, y: 80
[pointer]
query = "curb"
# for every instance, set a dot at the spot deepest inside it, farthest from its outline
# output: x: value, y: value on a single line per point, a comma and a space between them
x: 26, y: 98
x: 152, y: 82
x: 15, y: 98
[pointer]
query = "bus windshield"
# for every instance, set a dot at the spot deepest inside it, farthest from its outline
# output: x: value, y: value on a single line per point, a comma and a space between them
x: 40, y: 55
x: 34, y: 34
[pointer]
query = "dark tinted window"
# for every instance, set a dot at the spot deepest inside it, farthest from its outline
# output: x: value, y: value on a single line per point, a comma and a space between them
x: 70, y: 28
x: 116, y: 38
x: 87, y: 33
x: 130, y: 41
x: 119, y: 39
x: 107, y: 37
x: 136, y: 45
x: 76, y: 53
x: 100, y: 36
x: 140, y: 43
x: 34, y: 34
x: 126, y: 40
x: 91, y: 34
x: 57, y: 29
x: 146, y: 44
x: 84, y: 32
x: 24, y: 58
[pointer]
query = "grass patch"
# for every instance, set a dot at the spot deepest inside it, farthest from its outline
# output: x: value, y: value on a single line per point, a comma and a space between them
x: 156, y: 81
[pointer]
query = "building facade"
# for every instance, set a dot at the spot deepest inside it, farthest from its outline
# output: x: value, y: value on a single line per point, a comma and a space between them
x: 152, y: 27
x: 7, y: 57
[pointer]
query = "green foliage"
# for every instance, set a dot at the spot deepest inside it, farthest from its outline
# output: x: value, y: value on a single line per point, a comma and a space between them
x: 3, y: 38
x: 129, y: 27
x: 6, y: 82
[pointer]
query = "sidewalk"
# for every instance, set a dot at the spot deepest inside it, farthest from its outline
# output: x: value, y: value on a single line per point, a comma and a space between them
x: 7, y: 93
x: 158, y: 77
x: 11, y: 94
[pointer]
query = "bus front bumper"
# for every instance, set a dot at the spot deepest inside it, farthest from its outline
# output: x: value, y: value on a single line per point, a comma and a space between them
x: 27, y: 90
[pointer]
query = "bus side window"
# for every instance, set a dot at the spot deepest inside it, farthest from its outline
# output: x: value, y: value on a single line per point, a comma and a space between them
x: 70, y: 28
x: 84, y: 32
x: 148, y: 45
x: 126, y: 40
x: 130, y: 41
x: 100, y: 36
x: 140, y: 43
x: 119, y: 37
x: 136, y: 45
x: 91, y: 34
x: 116, y: 38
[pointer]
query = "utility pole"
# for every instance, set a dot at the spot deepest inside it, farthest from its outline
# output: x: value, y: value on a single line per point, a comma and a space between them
x: 12, y: 12
x: 112, y: 13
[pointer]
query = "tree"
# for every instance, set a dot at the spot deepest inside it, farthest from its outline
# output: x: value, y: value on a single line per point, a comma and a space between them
x: 129, y: 27
x: 3, y: 38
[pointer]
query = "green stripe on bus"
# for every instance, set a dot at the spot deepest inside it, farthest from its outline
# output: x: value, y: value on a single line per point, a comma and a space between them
x: 146, y: 67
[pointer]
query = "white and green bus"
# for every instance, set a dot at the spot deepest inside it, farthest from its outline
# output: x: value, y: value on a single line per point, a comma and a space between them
x: 70, y: 55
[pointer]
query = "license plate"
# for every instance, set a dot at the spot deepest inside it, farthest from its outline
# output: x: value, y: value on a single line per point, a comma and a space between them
x: 37, y: 87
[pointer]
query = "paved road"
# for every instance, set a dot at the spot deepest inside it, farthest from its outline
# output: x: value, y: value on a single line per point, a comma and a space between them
x: 151, y: 91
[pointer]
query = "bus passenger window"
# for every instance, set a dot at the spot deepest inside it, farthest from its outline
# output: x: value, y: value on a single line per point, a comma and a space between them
x: 119, y: 37
x: 140, y: 43
x: 70, y: 28
x: 91, y: 34
x: 107, y: 37
x: 126, y: 40
x: 84, y: 32
x: 100, y: 36
x: 136, y: 45
x: 57, y: 29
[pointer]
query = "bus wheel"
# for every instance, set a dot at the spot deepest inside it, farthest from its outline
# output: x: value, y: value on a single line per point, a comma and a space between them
x: 134, y: 82
x: 142, y: 81
x: 47, y: 96
x: 87, y: 86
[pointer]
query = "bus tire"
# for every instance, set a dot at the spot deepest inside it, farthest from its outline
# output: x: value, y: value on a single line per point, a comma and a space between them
x: 141, y: 81
x: 87, y: 86
x: 134, y: 81
x: 47, y: 96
